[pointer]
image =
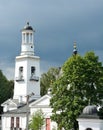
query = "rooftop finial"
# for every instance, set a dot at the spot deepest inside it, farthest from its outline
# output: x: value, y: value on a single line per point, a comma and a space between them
x: 28, y: 23
x: 75, y: 48
x: 28, y: 27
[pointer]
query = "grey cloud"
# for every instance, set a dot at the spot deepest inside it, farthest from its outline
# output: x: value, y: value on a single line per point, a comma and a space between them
x: 58, y: 23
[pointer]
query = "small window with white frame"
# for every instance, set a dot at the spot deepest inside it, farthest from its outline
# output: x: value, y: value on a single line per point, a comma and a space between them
x: 89, y: 129
x: 21, y: 72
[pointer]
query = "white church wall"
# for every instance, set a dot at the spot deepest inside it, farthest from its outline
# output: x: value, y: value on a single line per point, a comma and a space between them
x: 45, y: 102
x: 22, y: 122
x: 5, y: 123
x: 47, y: 114
x: 95, y: 124
x: 46, y: 111
x: 34, y: 86
x: 27, y: 86
x: 20, y: 87
x: 20, y: 62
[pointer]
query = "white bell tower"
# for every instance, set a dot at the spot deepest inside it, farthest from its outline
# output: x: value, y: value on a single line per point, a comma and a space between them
x: 27, y: 46
x: 27, y: 68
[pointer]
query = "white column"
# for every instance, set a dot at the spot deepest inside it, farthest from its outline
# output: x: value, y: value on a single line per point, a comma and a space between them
x: 25, y: 37
x: 28, y: 40
x: 32, y: 38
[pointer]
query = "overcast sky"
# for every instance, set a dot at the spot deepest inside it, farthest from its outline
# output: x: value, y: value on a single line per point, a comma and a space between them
x: 57, y: 24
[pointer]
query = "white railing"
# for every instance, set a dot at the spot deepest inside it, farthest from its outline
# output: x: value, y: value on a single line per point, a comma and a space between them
x: 21, y: 78
x: 34, y: 78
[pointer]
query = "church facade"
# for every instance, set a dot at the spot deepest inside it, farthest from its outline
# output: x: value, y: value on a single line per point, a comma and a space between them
x: 26, y: 99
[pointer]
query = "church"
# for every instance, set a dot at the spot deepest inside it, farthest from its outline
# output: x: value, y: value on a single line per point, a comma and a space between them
x: 27, y: 100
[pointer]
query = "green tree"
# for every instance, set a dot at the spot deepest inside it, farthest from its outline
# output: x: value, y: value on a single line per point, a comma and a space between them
x: 37, y: 120
x: 80, y: 84
x: 47, y: 79
x: 6, y: 89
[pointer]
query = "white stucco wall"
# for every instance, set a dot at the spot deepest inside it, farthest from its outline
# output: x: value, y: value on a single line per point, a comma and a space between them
x: 43, y: 104
x: 23, y: 88
x: 6, y: 123
x: 94, y: 124
x: 47, y: 113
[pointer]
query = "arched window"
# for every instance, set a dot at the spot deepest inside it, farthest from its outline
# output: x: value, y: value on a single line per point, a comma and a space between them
x: 12, y: 122
x: 21, y: 72
x: 17, y: 122
x: 32, y: 71
x: 89, y: 129
x: 33, y: 76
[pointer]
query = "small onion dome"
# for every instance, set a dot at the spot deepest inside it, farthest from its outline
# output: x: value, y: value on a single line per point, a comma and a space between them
x: 28, y: 27
x: 49, y: 91
x: 75, y: 49
x: 90, y: 110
